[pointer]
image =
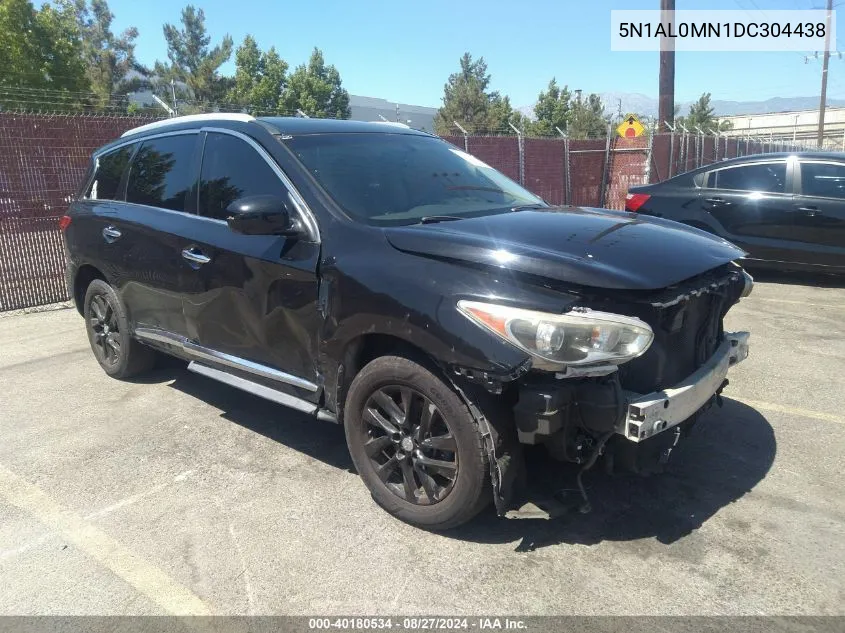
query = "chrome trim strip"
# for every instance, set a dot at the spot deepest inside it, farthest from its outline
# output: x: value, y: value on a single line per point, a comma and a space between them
x: 253, y: 388
x: 159, y: 336
x: 204, y: 353
x: 162, y: 210
x: 191, y: 118
x: 302, y: 208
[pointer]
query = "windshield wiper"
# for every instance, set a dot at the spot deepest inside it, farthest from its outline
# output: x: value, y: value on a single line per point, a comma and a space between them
x: 433, y: 219
x: 526, y: 207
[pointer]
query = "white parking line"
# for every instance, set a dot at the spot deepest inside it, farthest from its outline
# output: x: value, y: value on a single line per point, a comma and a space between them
x: 141, y: 574
x: 804, y: 413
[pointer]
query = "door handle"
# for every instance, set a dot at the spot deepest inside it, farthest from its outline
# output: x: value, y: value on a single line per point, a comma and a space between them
x: 110, y: 234
x: 195, y: 256
x: 811, y: 211
x: 717, y: 201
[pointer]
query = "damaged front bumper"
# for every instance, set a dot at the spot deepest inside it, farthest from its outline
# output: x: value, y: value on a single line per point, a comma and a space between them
x: 650, y: 414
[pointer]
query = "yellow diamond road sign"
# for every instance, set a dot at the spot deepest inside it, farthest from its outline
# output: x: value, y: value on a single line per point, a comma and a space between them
x: 630, y: 127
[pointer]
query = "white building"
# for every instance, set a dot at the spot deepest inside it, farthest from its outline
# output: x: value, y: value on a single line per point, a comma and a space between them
x: 793, y: 126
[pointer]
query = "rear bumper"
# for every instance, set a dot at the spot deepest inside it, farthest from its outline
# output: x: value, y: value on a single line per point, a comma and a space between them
x: 650, y: 414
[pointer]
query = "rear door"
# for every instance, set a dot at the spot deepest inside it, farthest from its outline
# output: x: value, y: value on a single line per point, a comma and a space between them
x: 99, y: 218
x: 160, y: 205
x: 820, y: 202
x: 256, y: 295
x: 753, y: 203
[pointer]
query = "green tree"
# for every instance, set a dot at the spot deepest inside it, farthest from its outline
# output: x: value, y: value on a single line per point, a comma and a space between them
x: 587, y: 118
x: 316, y: 89
x: 192, y: 62
x: 259, y: 79
x: 553, y: 110
x: 701, y: 116
x: 465, y: 99
x: 41, y: 49
x: 108, y: 58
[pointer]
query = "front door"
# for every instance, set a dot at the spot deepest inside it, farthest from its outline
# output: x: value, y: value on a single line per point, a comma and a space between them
x: 821, y: 202
x: 754, y: 204
x: 256, y: 299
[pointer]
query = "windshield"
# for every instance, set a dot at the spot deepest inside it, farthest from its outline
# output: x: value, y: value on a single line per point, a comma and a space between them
x: 391, y: 179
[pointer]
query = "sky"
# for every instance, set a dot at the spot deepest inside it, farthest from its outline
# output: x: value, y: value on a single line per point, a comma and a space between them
x: 404, y: 52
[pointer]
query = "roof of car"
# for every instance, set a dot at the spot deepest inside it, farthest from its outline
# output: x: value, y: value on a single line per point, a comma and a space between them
x: 758, y: 157
x: 297, y: 125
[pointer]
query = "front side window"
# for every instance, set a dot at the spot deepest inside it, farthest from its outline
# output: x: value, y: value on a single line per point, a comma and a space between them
x: 232, y: 169
x: 162, y: 172
x: 826, y: 180
x: 392, y: 179
x: 763, y: 177
x: 108, y: 171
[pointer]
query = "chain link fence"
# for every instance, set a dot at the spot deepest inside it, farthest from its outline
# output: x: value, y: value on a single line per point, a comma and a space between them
x: 43, y: 158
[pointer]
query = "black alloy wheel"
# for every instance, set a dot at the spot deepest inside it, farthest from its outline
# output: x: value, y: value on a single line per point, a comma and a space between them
x: 105, y: 330
x: 109, y: 332
x: 415, y: 443
x: 410, y: 445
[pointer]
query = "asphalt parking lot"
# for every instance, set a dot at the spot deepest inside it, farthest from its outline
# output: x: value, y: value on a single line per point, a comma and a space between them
x: 179, y: 495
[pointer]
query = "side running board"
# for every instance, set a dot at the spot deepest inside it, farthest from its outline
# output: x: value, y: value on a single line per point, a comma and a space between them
x: 254, y: 388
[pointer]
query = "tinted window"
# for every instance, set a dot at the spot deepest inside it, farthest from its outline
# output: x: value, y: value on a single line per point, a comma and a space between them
x: 162, y: 172
x: 770, y: 177
x: 383, y: 178
x: 232, y: 169
x: 108, y: 170
x: 823, y: 179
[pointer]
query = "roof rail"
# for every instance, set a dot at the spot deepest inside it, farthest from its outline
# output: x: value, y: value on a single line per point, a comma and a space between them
x: 394, y: 124
x: 214, y: 116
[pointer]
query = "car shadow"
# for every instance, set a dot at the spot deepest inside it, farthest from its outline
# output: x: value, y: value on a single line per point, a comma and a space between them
x: 728, y: 453
x: 797, y: 278
x: 321, y: 440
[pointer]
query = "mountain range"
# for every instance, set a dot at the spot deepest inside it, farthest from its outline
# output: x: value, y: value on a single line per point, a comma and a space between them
x: 647, y: 106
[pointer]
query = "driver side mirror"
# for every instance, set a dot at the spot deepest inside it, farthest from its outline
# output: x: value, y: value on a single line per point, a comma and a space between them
x: 262, y: 215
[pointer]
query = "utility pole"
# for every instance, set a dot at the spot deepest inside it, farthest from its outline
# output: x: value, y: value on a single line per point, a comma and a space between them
x: 666, y: 84
x: 173, y: 92
x: 825, y: 61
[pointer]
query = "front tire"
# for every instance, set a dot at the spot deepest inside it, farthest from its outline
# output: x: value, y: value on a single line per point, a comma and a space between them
x: 415, y: 444
x: 107, y: 325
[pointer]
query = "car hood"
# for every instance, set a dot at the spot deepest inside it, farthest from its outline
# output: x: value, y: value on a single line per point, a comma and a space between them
x: 581, y: 246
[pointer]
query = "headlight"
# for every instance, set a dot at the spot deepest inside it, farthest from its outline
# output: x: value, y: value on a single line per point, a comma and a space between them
x: 556, y: 340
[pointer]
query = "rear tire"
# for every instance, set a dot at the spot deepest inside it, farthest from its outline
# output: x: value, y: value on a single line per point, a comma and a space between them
x: 107, y: 325
x: 415, y: 444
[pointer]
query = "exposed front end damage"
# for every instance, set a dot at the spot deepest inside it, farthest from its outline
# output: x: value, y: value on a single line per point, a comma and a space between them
x: 633, y: 414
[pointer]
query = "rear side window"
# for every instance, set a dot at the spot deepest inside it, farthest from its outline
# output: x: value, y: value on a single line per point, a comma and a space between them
x: 232, y: 169
x: 825, y: 180
x: 162, y: 172
x: 108, y: 171
x: 765, y: 177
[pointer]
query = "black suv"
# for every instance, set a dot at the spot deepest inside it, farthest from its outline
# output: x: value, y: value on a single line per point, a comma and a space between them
x: 376, y: 276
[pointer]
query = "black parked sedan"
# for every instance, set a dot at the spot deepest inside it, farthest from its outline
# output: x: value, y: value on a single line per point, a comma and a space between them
x: 786, y: 210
